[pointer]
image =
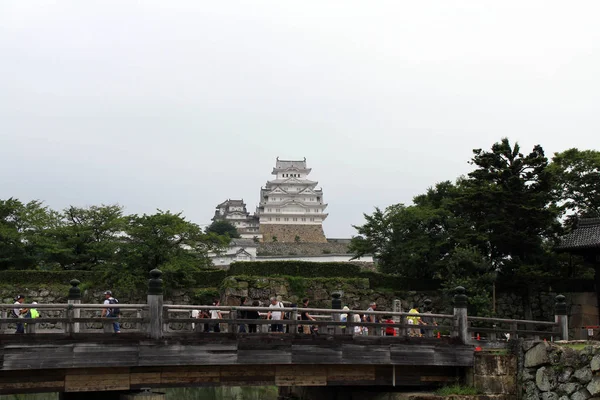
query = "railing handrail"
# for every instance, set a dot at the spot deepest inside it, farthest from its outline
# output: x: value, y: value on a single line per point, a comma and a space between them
x: 168, y: 307
x: 518, y: 321
x: 66, y: 306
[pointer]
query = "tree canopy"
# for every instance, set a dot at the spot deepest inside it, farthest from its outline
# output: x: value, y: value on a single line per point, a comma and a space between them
x: 500, y: 220
x: 103, y: 238
x: 223, y: 227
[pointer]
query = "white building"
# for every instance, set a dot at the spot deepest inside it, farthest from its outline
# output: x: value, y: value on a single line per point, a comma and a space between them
x: 234, y: 212
x: 238, y: 250
x: 291, y: 208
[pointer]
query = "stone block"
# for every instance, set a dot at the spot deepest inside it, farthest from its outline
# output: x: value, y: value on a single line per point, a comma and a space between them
x: 568, y: 388
x: 531, y: 391
x: 581, y: 394
x: 583, y: 375
x: 528, y: 374
x: 549, y: 396
x: 594, y: 386
x: 497, y: 365
x: 236, y: 292
x: 545, y: 379
x: 565, y: 375
x: 537, y: 355
x: 493, y: 384
x: 595, y: 363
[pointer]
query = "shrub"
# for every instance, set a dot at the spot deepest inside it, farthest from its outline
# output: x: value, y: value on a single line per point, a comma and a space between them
x: 305, y: 269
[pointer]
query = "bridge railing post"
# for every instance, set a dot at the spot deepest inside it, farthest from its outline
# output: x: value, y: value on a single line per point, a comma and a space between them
x: 294, y: 317
x: 428, y: 320
x: 460, y: 314
x: 336, y: 304
x: 155, y: 304
x: 233, y: 325
x: 4, y: 325
x: 561, y: 317
x: 399, y: 319
x: 74, y: 298
x: 350, y: 323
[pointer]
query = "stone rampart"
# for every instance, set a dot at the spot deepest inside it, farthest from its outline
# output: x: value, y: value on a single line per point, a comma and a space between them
x: 565, y: 371
x: 292, y: 233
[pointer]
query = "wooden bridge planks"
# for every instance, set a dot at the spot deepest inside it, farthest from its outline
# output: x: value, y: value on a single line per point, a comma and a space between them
x: 98, y: 351
x: 103, y: 379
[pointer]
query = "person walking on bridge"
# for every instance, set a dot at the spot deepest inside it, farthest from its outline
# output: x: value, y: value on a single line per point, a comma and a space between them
x: 19, y: 313
x: 112, y: 312
x: 275, y: 315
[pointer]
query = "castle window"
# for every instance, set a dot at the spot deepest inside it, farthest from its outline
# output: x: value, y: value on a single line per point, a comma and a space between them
x: 312, y: 219
x: 286, y: 219
x: 270, y: 218
x: 303, y: 219
x: 276, y: 219
x: 295, y: 219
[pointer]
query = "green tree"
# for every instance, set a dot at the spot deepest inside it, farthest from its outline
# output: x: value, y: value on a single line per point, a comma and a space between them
x: 91, y: 235
x: 509, y: 203
x: 223, y: 227
x: 411, y: 241
x: 166, y: 241
x: 577, y: 178
x: 25, y: 239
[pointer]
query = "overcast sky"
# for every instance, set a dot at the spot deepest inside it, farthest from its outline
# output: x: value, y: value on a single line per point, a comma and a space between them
x: 179, y: 105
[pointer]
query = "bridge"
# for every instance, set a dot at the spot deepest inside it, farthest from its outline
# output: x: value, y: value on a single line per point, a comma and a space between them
x: 75, y: 351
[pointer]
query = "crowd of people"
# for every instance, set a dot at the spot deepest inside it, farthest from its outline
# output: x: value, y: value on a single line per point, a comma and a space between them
x: 307, y: 326
x: 273, y: 312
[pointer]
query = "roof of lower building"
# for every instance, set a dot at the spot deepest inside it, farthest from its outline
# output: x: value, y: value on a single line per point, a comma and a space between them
x: 585, y: 236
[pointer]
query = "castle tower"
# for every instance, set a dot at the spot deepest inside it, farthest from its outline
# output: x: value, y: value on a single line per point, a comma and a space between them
x: 291, y: 209
x: 234, y: 212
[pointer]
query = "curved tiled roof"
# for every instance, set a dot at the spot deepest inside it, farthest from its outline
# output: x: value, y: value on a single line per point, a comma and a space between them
x: 585, y: 236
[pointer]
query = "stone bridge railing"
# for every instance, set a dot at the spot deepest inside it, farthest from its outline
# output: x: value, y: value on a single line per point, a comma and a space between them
x: 157, y: 319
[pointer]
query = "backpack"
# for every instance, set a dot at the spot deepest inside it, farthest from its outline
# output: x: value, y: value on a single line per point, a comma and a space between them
x: 114, y: 311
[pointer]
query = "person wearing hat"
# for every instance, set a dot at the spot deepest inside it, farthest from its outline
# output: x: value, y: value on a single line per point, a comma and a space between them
x: 20, y: 313
x: 111, y: 312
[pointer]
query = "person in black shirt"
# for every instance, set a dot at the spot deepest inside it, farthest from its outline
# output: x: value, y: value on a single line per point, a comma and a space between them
x: 305, y: 316
x: 253, y: 315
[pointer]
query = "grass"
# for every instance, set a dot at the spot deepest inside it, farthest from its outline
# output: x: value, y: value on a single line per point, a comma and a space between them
x: 575, y: 346
x: 457, y: 390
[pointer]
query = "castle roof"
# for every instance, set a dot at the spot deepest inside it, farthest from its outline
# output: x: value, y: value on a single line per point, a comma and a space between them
x: 285, y: 164
x: 292, y: 181
x: 234, y: 203
x: 585, y: 236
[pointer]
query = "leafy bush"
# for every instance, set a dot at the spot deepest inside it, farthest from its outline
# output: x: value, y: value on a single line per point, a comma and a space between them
x: 294, y: 268
x: 34, y: 277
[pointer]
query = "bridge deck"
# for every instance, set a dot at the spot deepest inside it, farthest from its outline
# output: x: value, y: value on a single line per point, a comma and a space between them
x: 85, y: 362
x: 132, y: 350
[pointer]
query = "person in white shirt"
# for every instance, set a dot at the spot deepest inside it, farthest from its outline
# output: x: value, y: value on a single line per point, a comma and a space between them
x: 275, y: 315
x: 216, y: 314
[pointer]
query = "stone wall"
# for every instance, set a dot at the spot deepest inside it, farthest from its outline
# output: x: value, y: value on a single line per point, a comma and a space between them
x: 494, y: 374
x: 300, y: 249
x: 288, y: 233
x: 356, y: 293
x: 569, y: 371
x: 582, y: 309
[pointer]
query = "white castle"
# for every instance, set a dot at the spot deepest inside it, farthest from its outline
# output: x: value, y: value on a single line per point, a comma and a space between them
x: 291, y: 208
x: 291, y: 198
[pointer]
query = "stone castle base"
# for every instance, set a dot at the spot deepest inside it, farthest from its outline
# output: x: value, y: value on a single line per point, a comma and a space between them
x: 291, y: 233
